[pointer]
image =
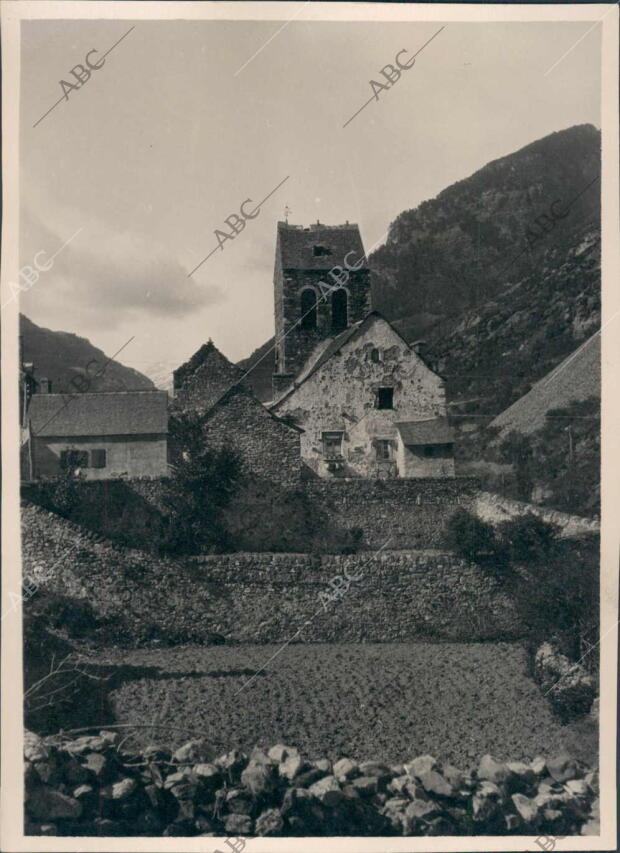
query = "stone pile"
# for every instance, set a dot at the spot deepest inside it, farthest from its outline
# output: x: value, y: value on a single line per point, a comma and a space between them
x: 90, y: 786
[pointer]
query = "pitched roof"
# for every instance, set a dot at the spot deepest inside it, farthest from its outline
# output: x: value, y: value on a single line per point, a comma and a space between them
x: 241, y: 389
x: 296, y: 243
x: 205, y: 353
x: 330, y: 346
x: 431, y: 431
x: 576, y: 378
x: 105, y: 413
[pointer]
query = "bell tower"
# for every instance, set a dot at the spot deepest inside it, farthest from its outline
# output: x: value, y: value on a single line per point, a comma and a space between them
x: 321, y: 287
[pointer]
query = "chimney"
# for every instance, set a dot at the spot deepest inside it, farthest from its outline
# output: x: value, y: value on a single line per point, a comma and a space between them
x: 45, y: 386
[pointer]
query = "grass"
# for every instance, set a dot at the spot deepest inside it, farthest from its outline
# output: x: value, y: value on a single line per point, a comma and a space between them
x: 454, y: 701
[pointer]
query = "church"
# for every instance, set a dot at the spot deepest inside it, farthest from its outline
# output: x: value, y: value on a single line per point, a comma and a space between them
x: 368, y: 404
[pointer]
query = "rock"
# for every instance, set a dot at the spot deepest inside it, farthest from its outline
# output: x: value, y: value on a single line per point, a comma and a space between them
x: 365, y: 785
x: 232, y: 762
x: 74, y: 772
x: 34, y: 748
x: 46, y: 770
x: 454, y: 776
x: 309, y: 777
x: 259, y: 778
x: 269, y: 822
x: 422, y: 764
x: 259, y: 756
x: 435, y: 783
x: 375, y: 768
x: 155, y: 754
x: 564, y: 768
x: 185, y: 789
x: 238, y: 801
x: 323, y: 764
x: 394, y: 810
x: 578, y: 787
x: 97, y: 764
x: 345, y: 768
x: 193, y: 752
x: 416, y: 816
x: 123, y: 789
x: 539, y: 766
x: 238, y: 824
x: 173, y: 779
x: 522, y: 776
x: 398, y: 784
x: 512, y: 822
x: 493, y: 770
x: 46, y: 804
x: 527, y: 809
x: 84, y: 793
x: 485, y: 802
x: 111, y: 737
x: 89, y: 743
x: 592, y: 781
x: 327, y: 791
x: 291, y: 766
x: 208, y: 774
x: 280, y: 753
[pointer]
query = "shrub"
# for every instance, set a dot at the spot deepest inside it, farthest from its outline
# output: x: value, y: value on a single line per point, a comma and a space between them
x: 470, y: 537
x: 528, y: 539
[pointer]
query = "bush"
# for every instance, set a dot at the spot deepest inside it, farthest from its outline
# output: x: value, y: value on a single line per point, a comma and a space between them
x: 470, y: 537
x: 528, y: 539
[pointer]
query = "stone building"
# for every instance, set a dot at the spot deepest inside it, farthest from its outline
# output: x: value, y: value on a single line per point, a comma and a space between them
x: 368, y: 404
x: 209, y: 385
x: 103, y: 436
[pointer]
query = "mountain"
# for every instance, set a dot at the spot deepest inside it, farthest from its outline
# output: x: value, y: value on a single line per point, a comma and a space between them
x: 61, y: 356
x: 500, y: 273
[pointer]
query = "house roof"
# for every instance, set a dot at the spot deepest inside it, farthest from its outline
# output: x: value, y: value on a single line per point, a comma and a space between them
x: 206, y: 352
x: 330, y: 346
x: 431, y: 431
x: 240, y: 389
x: 105, y: 413
x: 296, y: 244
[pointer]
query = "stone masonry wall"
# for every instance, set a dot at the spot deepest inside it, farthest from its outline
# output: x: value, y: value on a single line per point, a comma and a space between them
x: 410, y: 513
x: 386, y: 597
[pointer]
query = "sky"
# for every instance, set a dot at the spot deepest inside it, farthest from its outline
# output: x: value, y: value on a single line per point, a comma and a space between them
x: 140, y: 166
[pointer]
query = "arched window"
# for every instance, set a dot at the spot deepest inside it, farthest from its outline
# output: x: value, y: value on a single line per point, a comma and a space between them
x: 308, y: 309
x: 340, y: 313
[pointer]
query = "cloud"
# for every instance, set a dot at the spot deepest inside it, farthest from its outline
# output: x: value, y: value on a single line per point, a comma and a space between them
x: 109, y: 274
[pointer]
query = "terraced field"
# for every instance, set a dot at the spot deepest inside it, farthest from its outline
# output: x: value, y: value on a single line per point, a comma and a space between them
x: 388, y: 702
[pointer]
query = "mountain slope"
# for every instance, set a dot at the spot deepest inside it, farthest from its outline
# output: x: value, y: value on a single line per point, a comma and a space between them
x: 499, y: 301
x: 61, y: 356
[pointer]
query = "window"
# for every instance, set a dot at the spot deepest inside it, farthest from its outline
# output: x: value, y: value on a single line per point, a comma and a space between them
x: 318, y: 251
x: 375, y: 356
x: 71, y: 459
x: 340, y: 311
x: 430, y: 450
x: 308, y: 309
x: 97, y: 458
x: 332, y: 445
x: 385, y: 398
x: 383, y: 448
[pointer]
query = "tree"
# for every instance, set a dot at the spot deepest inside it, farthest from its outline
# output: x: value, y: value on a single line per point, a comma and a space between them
x: 470, y: 537
x: 204, y: 483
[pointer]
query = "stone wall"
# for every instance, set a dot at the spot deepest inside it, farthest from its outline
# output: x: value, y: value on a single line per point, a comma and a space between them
x: 495, y: 508
x: 91, y: 786
x: 409, y: 513
x: 368, y: 597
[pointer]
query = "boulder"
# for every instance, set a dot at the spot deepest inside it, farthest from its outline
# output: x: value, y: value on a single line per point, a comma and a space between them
x: 123, y: 789
x: 291, y: 766
x: 327, y: 791
x: 194, y: 752
x: 259, y: 778
x: 46, y: 804
x: 539, y: 766
x: 375, y: 768
x: 34, y: 748
x: 208, y: 774
x: 97, y: 764
x: 434, y: 783
x: 280, y: 752
x: 238, y: 801
x: 89, y: 743
x: 269, y: 822
x: 527, y: 808
x: 232, y: 762
x: 422, y: 764
x: 323, y: 764
x: 492, y: 770
x: 345, y: 768
x: 564, y: 768
x: 238, y: 824
x: 365, y: 786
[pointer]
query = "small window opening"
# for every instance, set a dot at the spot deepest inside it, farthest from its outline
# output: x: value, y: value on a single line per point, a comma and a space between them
x: 375, y: 356
x: 98, y: 459
x: 340, y: 311
x: 318, y: 251
x: 385, y: 398
x: 383, y: 449
x: 332, y: 445
x: 429, y: 450
x: 308, y: 309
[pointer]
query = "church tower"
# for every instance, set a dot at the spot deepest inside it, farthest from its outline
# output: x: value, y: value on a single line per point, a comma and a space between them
x: 321, y: 287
